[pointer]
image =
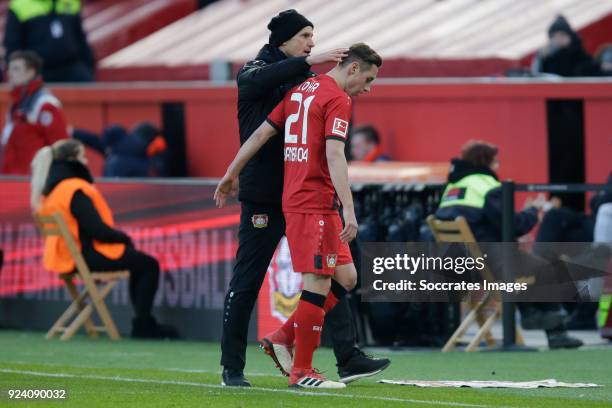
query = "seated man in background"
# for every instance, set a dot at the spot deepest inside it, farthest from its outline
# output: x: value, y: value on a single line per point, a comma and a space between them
x: 562, y: 224
x: 62, y: 182
x: 35, y: 117
x: 365, y: 145
x: 474, y: 192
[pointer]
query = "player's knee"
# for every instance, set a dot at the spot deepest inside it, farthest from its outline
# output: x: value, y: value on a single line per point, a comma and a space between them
x: 351, y: 282
x: 346, y: 275
x: 316, y: 283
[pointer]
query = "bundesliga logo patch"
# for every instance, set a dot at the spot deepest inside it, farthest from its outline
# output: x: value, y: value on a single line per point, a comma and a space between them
x: 340, y: 127
x: 260, y: 220
x: 331, y: 260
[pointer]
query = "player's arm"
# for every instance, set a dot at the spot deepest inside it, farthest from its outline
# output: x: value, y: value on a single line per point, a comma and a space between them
x: 257, y: 139
x: 338, y: 171
x: 258, y: 78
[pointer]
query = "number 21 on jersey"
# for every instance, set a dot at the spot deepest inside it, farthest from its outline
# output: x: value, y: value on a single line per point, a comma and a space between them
x: 294, y: 117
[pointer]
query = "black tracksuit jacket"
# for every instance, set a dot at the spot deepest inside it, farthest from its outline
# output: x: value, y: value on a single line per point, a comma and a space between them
x: 262, y: 84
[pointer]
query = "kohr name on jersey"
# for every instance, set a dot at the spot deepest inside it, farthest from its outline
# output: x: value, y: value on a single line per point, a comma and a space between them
x: 308, y: 87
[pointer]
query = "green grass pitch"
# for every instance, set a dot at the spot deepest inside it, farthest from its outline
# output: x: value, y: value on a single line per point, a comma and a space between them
x: 187, y: 374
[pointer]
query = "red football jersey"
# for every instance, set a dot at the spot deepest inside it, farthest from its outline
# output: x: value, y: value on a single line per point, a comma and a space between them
x: 312, y: 112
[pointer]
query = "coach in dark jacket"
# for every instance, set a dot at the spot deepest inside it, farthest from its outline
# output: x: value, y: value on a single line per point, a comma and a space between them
x: 262, y: 83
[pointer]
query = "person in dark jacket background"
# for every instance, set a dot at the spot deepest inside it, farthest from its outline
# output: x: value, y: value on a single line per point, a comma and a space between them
x: 564, y: 54
x: 54, y: 30
x: 62, y: 169
x: 562, y: 224
x: 139, y: 153
x: 474, y: 192
x: 262, y: 83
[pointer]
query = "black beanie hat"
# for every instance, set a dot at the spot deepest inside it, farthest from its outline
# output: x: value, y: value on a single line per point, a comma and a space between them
x: 560, y: 24
x: 284, y: 26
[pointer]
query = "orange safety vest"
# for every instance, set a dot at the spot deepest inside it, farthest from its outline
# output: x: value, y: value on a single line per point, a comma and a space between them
x: 56, y: 255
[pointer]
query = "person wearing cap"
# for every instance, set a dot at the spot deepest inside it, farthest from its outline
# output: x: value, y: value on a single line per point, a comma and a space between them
x: 262, y: 83
x: 564, y: 54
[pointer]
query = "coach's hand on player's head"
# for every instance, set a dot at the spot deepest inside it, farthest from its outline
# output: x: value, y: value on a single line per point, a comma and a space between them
x: 227, y: 186
x: 350, y: 225
x: 330, y: 56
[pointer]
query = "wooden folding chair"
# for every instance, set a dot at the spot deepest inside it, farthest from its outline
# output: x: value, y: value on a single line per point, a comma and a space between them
x: 458, y: 231
x: 80, y: 309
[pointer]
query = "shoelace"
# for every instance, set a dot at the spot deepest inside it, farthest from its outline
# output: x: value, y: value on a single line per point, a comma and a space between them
x: 317, y: 372
x: 357, y: 353
x: 363, y: 354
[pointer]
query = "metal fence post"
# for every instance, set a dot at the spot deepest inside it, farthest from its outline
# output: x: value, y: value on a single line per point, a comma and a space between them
x: 508, y: 235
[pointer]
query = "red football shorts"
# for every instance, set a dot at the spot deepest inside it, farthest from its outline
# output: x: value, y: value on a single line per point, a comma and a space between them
x: 314, y: 244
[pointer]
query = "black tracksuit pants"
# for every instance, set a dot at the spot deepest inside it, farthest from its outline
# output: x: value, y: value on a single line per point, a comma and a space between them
x: 256, y: 247
x: 566, y: 225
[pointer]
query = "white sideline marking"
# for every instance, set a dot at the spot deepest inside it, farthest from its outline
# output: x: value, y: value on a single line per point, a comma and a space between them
x: 171, y: 369
x: 218, y: 372
x: 202, y: 385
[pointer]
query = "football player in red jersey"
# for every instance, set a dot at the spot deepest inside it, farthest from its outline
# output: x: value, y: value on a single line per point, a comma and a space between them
x: 314, y: 118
